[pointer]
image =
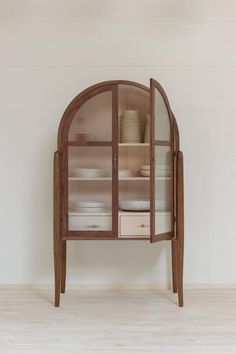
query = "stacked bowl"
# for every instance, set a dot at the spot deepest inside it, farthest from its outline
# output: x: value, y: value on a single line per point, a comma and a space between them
x: 87, y: 206
x: 130, y: 127
x: 160, y: 170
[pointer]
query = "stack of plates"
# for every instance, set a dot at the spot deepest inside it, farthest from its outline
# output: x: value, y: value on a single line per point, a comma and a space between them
x: 160, y: 170
x: 89, y: 172
x: 135, y: 204
x: 130, y: 127
x: 88, y: 207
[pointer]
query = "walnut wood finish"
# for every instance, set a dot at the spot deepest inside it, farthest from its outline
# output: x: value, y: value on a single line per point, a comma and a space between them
x: 180, y: 225
x: 63, y: 266
x: 57, y: 225
x: 154, y: 85
x: 115, y: 161
x: 61, y: 232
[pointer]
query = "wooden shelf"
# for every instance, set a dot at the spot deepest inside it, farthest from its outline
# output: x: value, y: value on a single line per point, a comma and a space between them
x: 162, y: 143
x: 120, y: 179
x: 77, y: 213
x: 90, y: 143
x: 134, y: 144
x: 134, y: 178
x: 90, y: 179
x: 144, y: 178
x: 126, y: 212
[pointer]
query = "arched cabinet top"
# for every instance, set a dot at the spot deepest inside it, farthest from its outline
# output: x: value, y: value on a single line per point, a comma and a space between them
x: 110, y: 86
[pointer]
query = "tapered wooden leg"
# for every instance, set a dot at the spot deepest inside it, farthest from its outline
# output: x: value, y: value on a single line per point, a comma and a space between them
x: 180, y: 226
x: 174, y: 265
x: 63, y: 267
x: 180, y: 273
x: 57, y: 270
x: 57, y: 227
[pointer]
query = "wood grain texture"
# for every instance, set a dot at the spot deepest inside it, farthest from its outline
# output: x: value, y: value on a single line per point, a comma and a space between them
x: 120, y: 322
x: 63, y: 265
x: 174, y: 265
x: 57, y: 225
x: 180, y: 225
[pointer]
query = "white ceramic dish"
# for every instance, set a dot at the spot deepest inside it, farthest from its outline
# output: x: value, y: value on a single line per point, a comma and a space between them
x: 145, y: 167
x: 90, y: 210
x: 145, y: 173
x: 87, y: 206
x: 89, y: 172
x: 135, y: 204
x: 124, y: 173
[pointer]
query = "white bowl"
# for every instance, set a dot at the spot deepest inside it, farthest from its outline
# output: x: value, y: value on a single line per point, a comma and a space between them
x: 89, y: 172
x: 124, y: 173
x: 145, y: 173
x: 135, y: 204
x: 145, y: 167
x: 90, y: 210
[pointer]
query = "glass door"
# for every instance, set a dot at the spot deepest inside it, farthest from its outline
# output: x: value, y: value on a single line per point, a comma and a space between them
x: 162, y: 167
x: 91, y: 201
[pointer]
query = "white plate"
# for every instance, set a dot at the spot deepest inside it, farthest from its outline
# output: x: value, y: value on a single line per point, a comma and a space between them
x: 125, y: 173
x: 135, y: 204
x: 88, y: 172
x: 87, y: 204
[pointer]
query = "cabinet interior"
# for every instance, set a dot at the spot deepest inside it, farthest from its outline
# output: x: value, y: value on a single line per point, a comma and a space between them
x: 92, y: 135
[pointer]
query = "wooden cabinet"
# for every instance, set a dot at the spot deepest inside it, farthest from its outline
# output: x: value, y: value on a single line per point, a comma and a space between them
x: 118, y: 172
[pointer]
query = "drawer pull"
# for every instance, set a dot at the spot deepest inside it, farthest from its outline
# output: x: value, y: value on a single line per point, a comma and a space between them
x: 143, y: 225
x: 92, y: 226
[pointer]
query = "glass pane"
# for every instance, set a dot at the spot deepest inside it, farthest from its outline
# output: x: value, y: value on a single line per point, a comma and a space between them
x: 134, y: 177
x: 90, y: 188
x: 133, y: 115
x: 162, y: 122
x: 93, y: 121
x: 163, y: 189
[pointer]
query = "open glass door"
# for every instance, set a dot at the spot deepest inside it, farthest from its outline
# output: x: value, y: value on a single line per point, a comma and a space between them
x: 161, y: 166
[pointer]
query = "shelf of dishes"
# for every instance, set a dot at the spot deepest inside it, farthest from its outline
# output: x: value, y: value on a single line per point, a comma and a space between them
x: 161, y: 171
x: 99, y: 207
x: 120, y: 179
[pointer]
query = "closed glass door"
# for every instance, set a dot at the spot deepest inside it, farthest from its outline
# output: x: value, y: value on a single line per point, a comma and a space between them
x: 91, y: 204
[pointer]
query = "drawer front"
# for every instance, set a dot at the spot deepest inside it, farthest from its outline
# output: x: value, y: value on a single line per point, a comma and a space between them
x: 90, y: 223
x: 140, y: 225
x: 134, y: 225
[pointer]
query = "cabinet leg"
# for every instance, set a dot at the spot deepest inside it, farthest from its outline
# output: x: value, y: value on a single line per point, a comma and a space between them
x: 174, y: 265
x: 180, y: 247
x: 63, y: 267
x: 57, y: 270
x: 57, y: 243
x: 180, y: 226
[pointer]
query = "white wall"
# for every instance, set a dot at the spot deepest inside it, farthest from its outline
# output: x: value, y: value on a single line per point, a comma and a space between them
x: 50, y: 51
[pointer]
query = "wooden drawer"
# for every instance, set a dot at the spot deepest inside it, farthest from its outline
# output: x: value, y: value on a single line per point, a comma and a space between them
x: 132, y: 225
x: 90, y: 223
x: 139, y: 225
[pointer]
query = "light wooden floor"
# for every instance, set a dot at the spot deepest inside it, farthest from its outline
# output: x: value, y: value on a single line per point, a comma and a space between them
x: 90, y: 321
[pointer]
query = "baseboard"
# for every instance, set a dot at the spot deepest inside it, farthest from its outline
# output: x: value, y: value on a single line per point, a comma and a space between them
x: 119, y: 287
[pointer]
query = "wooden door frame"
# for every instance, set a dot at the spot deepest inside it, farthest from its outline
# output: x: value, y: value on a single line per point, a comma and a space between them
x: 154, y: 85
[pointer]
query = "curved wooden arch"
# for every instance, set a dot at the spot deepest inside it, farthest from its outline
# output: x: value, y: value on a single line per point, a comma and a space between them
x: 104, y: 86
